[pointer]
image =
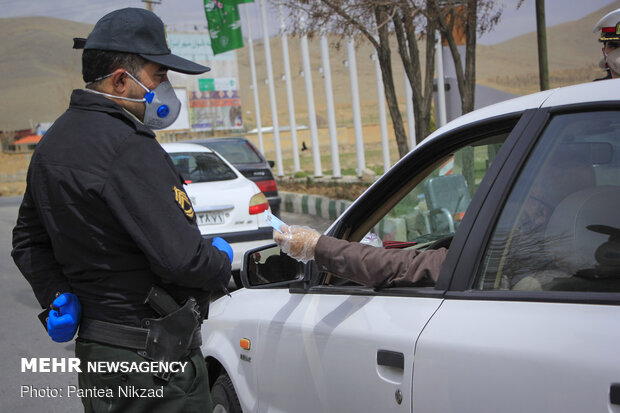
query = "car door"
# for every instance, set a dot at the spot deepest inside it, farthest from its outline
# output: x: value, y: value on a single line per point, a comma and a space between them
x: 530, y: 321
x: 335, y: 346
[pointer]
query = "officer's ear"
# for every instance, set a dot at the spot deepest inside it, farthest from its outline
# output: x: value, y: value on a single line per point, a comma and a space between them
x: 119, y: 81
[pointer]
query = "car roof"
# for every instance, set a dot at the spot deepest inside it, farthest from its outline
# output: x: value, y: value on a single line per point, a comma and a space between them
x: 235, y: 140
x: 184, y: 147
x: 227, y: 139
x: 606, y: 90
x: 230, y: 139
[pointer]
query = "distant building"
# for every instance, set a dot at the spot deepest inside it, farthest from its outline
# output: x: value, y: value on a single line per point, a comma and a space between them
x: 8, y: 139
x: 25, y: 144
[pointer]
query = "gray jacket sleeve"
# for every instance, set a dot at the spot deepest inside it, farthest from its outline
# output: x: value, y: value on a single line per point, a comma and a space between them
x: 378, y: 267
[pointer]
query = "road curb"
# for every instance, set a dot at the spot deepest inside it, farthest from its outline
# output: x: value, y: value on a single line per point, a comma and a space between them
x: 317, y: 205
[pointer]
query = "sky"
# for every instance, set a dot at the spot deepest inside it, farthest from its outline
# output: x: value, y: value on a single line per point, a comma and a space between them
x: 183, y: 14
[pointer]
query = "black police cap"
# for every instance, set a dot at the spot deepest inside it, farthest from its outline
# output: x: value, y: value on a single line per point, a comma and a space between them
x: 138, y: 31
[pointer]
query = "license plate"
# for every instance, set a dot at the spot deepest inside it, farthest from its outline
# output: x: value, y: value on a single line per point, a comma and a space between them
x: 211, y: 218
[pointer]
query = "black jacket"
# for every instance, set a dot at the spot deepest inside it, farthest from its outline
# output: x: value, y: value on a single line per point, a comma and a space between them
x: 105, y: 216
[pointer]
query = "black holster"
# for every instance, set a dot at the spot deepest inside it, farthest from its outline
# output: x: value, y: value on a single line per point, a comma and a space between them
x: 169, y: 337
x: 165, y: 339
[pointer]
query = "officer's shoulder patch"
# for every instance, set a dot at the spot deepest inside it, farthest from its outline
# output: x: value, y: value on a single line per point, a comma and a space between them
x: 184, y: 203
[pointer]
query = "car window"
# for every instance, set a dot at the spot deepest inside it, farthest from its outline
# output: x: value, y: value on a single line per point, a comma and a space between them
x: 432, y: 203
x: 438, y: 203
x: 560, y: 227
x: 236, y: 151
x: 201, y: 167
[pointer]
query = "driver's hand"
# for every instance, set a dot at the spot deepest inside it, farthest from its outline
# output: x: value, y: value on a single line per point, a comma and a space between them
x: 297, y: 242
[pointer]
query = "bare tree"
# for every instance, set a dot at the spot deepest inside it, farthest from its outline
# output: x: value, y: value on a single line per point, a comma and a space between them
x: 378, y: 21
x: 413, y: 23
x: 410, y: 27
x: 464, y: 20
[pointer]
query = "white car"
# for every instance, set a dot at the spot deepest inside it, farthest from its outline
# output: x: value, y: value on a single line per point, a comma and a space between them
x: 227, y: 204
x: 524, y: 316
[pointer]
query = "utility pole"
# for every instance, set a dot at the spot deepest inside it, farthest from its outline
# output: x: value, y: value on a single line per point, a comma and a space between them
x: 149, y: 4
x: 259, y: 126
x: 272, y: 90
x: 355, y: 106
x: 289, y: 92
x: 541, y: 31
x: 314, y: 133
x: 329, y: 100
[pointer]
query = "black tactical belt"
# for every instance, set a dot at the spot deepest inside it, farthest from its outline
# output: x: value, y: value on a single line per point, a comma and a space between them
x: 120, y: 335
x: 168, y: 338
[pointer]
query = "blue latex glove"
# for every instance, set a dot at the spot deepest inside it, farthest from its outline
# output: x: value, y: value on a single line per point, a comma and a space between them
x: 63, y: 322
x: 222, y: 245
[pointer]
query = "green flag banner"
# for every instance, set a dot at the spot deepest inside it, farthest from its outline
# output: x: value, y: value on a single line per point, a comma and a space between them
x: 224, y: 24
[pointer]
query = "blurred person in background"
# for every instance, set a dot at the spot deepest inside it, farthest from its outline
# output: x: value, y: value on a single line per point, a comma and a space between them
x: 609, y: 27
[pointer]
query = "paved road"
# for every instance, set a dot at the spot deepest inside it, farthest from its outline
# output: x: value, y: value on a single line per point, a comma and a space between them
x: 22, y: 335
x: 318, y: 223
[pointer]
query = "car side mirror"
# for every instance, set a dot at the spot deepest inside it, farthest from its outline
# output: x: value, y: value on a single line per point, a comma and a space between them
x: 268, y: 266
x: 271, y: 164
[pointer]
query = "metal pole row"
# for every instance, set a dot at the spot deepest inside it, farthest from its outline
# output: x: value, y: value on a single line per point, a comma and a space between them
x: 327, y: 82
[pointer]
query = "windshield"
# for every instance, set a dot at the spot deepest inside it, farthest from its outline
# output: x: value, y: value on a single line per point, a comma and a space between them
x: 236, y: 151
x: 202, y: 167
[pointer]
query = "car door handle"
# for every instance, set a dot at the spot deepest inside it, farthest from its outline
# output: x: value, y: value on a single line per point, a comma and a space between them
x: 391, y: 359
x: 614, y: 393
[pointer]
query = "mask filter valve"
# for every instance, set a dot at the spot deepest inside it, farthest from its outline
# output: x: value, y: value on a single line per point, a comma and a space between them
x: 163, y: 111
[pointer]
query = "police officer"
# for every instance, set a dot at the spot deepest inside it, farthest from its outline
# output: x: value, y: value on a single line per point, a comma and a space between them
x: 609, y: 26
x: 107, y: 236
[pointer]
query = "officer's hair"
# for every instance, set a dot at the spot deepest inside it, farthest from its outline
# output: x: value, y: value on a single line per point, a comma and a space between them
x: 98, y: 63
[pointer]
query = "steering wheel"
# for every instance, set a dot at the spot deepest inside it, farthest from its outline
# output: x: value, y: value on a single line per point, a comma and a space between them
x: 443, y: 242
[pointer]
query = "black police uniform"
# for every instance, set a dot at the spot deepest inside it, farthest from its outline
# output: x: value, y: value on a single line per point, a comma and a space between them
x: 105, y: 216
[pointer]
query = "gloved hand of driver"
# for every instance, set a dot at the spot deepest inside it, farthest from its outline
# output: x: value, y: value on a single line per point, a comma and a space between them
x: 222, y: 245
x: 63, y: 321
x: 297, y: 242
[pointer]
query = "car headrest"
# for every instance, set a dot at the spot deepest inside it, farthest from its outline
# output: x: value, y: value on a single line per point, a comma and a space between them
x: 567, y: 237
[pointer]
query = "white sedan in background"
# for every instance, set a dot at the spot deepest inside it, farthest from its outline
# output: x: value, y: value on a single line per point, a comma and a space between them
x: 227, y: 204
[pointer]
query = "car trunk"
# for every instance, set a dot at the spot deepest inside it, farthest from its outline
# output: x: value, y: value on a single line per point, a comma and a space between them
x: 226, y: 212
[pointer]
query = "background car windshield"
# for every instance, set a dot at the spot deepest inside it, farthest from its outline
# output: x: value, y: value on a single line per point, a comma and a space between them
x: 436, y: 206
x: 560, y: 228
x: 202, y: 167
x: 235, y: 151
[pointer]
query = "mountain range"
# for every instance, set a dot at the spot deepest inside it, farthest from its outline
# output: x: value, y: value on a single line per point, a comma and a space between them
x: 40, y: 68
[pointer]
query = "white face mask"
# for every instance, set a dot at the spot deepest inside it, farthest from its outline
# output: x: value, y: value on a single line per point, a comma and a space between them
x: 613, y: 60
x: 162, y: 105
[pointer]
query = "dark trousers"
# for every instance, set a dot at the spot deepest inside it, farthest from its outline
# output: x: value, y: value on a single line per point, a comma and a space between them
x: 186, y: 391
